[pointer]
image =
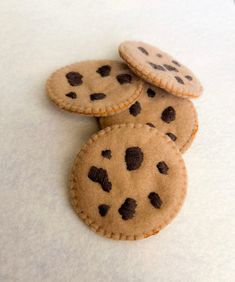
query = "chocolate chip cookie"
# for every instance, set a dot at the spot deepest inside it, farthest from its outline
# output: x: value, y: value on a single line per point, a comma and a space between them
x: 128, y: 181
x: 174, y: 116
x: 160, y: 69
x: 97, y: 88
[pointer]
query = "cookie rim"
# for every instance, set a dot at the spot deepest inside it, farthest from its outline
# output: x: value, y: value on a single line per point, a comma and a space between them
x: 91, y: 223
x: 193, y: 134
x: 90, y: 111
x: 190, y: 138
x: 139, y: 70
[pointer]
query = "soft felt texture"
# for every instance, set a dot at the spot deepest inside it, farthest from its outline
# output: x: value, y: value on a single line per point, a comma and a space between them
x: 151, y: 106
x: 159, y: 68
x: 86, y: 88
x: 148, y: 163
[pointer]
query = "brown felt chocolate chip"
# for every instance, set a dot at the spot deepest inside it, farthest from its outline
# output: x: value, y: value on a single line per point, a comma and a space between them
x: 97, y: 96
x: 124, y: 78
x: 157, y: 67
x: 180, y: 80
x: 150, y: 124
x: 103, y: 209
x: 133, y: 158
x: 127, y: 209
x: 170, y: 68
x: 143, y: 50
x: 162, y: 167
x: 107, y: 154
x: 100, y: 175
x: 135, y: 109
x: 159, y: 55
x: 189, y: 77
x: 104, y: 70
x: 71, y: 95
x: 176, y: 63
x: 155, y: 200
x: 151, y: 93
x: 172, y: 136
x: 74, y: 78
x: 168, y: 114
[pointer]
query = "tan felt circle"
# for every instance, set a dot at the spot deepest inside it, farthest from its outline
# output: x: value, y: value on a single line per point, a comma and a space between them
x: 160, y: 69
x: 140, y: 184
x: 149, y: 108
x: 97, y: 88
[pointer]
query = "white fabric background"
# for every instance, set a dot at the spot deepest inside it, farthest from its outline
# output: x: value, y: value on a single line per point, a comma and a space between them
x: 41, y: 238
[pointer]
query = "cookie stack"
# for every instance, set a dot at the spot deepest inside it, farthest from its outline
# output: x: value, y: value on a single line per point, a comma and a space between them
x: 129, y: 180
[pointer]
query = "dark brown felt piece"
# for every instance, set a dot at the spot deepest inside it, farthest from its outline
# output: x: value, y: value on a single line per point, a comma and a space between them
x: 189, y: 77
x: 135, y: 109
x: 180, y: 80
x: 168, y: 115
x: 133, y: 158
x: 97, y: 96
x: 172, y: 136
x: 155, y: 200
x: 162, y: 167
x: 103, y: 209
x: 176, y: 63
x: 157, y: 67
x: 100, y: 175
x: 143, y: 50
x: 124, y: 78
x: 74, y: 78
x: 150, y: 124
x: 107, y: 154
x: 151, y: 93
x: 127, y: 209
x: 71, y: 95
x: 170, y: 68
x: 104, y: 70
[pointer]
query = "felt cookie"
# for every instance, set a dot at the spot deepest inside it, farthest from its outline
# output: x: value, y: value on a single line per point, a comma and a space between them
x: 97, y: 88
x: 174, y: 116
x: 128, y: 182
x: 160, y: 69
